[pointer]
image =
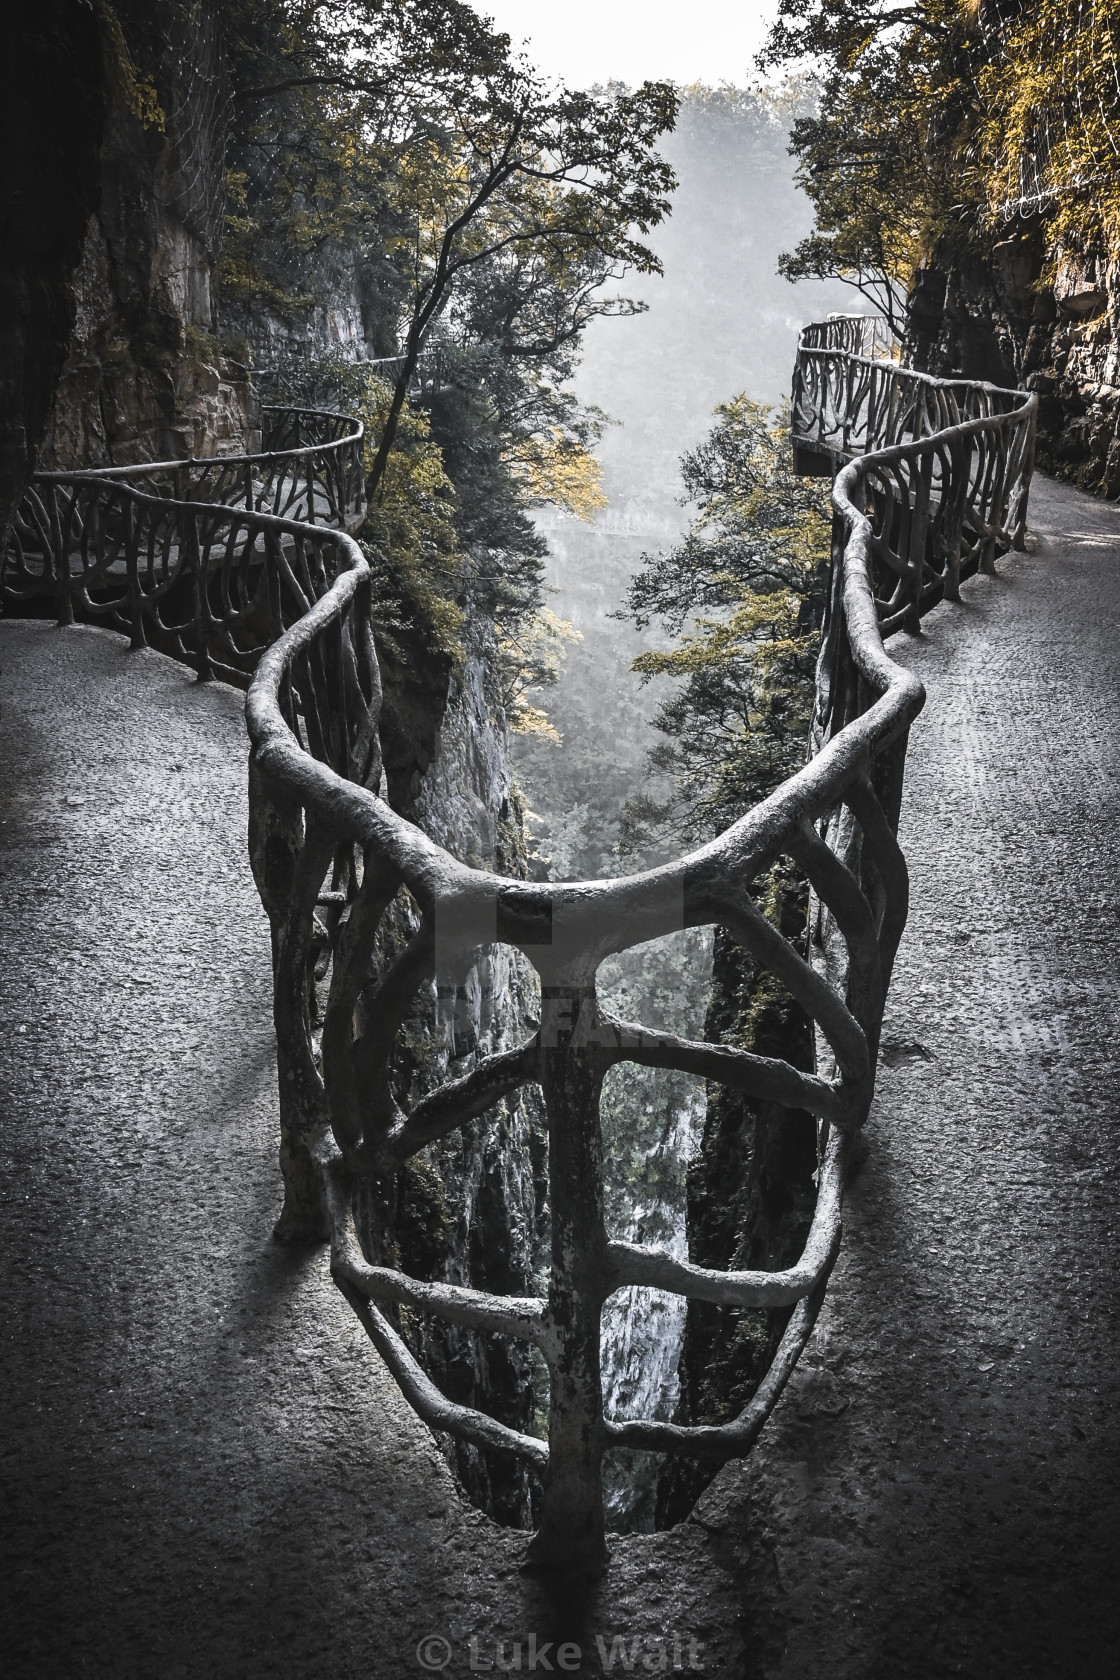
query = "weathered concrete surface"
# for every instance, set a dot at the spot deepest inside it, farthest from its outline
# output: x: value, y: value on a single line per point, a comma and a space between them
x: 206, y: 1472
x: 939, y: 1493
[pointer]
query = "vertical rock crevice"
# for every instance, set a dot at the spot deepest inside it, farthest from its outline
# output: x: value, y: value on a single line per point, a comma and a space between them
x: 751, y: 1190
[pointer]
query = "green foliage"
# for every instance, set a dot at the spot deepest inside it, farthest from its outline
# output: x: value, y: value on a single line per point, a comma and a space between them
x: 938, y: 116
x: 135, y: 85
x: 872, y: 157
x: 529, y: 659
x: 753, y: 563
x: 1050, y: 99
x: 487, y: 214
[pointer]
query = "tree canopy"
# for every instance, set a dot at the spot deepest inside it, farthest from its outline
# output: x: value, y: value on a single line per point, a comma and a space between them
x: 742, y: 598
x: 489, y: 216
x: 939, y: 120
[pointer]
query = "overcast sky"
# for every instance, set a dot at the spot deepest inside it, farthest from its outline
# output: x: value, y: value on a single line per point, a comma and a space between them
x: 587, y: 41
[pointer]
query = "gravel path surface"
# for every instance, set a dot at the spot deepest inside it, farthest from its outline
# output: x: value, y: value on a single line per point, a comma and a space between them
x: 939, y: 1493
x: 206, y: 1472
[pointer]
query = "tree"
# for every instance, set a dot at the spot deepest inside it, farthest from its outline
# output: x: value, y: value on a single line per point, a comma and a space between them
x: 409, y: 124
x: 749, y: 578
x: 938, y: 119
x: 487, y: 216
x: 893, y: 82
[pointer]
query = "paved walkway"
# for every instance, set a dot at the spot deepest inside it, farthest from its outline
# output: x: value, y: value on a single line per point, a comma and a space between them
x: 940, y: 1494
x: 205, y: 1471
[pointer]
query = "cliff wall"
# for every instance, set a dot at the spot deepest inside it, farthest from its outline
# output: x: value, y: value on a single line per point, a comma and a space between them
x: 1008, y: 316
x: 145, y: 377
x: 51, y: 119
x: 473, y: 1209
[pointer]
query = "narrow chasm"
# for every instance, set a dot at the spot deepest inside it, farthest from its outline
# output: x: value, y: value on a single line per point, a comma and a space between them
x: 750, y: 1194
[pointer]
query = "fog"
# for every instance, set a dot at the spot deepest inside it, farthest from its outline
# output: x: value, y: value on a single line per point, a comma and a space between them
x: 719, y: 321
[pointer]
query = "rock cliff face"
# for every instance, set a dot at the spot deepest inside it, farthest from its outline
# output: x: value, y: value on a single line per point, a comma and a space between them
x: 473, y: 1210
x: 145, y: 377
x: 750, y: 1192
x: 52, y: 111
x: 1008, y: 317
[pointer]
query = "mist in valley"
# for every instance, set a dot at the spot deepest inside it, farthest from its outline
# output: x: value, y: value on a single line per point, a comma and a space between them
x: 720, y: 320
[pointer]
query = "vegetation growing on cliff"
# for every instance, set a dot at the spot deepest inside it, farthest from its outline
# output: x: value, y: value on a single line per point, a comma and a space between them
x: 939, y: 120
x: 484, y: 217
x: 741, y: 600
x: 741, y: 597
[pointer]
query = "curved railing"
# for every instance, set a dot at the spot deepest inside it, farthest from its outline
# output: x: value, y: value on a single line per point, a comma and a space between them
x: 366, y: 911
x: 855, y: 335
x: 334, y: 863
x: 948, y: 463
x: 115, y: 544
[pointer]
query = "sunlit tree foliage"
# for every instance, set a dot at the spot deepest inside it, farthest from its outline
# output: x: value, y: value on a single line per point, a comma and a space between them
x: 741, y: 597
x: 938, y: 118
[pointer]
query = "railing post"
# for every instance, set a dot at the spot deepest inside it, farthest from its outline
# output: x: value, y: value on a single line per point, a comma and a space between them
x: 1018, y: 518
x: 919, y: 541
x: 572, y: 1533
x: 131, y: 560
x: 60, y: 562
x: 954, y: 519
x: 189, y: 535
x: 288, y: 865
x: 994, y: 510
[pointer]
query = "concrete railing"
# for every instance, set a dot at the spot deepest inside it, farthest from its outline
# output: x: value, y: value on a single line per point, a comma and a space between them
x: 333, y: 860
x: 932, y: 482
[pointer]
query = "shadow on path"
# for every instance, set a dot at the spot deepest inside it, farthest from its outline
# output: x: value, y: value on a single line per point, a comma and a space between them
x: 206, y: 1471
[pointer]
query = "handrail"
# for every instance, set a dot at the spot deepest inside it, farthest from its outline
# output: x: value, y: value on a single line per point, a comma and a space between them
x: 291, y: 602
x: 80, y: 538
x: 855, y: 335
x: 350, y: 432
x: 911, y: 520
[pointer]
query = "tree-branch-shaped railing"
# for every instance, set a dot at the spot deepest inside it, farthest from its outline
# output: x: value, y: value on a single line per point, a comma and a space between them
x: 333, y: 863
x: 331, y: 859
x: 98, y: 545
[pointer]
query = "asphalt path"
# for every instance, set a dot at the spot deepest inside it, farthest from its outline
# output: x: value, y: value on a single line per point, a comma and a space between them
x: 205, y: 1470
x: 939, y: 1493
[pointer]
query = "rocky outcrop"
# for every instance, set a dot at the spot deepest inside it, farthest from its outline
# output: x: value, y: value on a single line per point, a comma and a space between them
x: 750, y: 1191
x: 1015, y: 317
x: 145, y: 378
x: 473, y: 1209
x: 52, y: 112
